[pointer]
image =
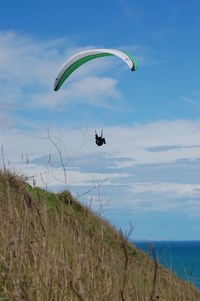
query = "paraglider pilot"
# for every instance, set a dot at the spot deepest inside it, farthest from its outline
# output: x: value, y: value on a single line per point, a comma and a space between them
x: 99, y: 139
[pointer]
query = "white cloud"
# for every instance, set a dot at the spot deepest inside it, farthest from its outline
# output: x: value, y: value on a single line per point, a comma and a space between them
x: 146, y: 181
x: 29, y: 66
x: 164, y: 197
x: 51, y: 176
x: 176, y: 189
x: 131, y: 143
x: 92, y: 90
x: 25, y: 60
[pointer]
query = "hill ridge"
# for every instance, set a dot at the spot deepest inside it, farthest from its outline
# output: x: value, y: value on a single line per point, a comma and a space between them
x: 54, y: 248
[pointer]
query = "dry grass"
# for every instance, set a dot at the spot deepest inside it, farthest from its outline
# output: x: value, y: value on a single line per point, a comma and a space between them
x: 52, y: 248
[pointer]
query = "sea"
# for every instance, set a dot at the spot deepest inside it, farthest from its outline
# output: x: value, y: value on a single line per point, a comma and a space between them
x: 182, y: 257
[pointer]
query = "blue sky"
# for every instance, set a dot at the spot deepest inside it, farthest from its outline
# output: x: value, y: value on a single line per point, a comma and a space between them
x: 148, y: 172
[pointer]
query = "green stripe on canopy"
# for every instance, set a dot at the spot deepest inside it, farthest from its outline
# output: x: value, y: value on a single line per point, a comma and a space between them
x: 133, y: 59
x: 77, y: 64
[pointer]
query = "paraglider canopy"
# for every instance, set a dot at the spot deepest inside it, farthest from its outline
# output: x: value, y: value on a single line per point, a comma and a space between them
x: 82, y: 57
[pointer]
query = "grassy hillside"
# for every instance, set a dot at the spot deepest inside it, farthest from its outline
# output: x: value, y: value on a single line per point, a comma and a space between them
x: 53, y: 248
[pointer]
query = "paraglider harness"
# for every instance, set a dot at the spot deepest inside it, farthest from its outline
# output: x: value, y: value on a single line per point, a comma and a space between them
x: 99, y: 139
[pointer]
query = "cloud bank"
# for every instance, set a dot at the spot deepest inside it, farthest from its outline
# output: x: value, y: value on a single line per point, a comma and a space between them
x: 28, y: 68
x: 152, y: 167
